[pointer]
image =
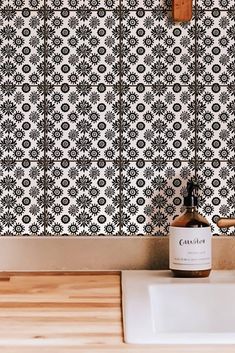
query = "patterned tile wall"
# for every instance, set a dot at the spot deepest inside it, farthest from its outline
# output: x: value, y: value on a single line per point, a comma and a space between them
x: 107, y: 108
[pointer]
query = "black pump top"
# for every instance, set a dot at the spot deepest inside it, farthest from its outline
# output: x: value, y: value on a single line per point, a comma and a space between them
x: 191, y: 199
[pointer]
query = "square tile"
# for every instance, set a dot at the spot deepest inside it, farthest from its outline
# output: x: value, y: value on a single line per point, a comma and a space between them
x: 153, y: 196
x: 22, y: 123
x: 157, y: 50
x: 83, y: 123
x: 158, y: 122
x: 83, y: 199
x: 84, y: 5
x: 83, y: 46
x: 21, y: 48
x: 216, y: 123
x: 216, y: 62
x: 217, y: 200
x: 21, y: 198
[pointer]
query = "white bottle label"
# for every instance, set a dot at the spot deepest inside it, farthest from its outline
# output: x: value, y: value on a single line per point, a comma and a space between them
x: 190, y: 248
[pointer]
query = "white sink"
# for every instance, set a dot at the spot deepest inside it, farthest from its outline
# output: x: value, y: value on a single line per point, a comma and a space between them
x: 158, y: 308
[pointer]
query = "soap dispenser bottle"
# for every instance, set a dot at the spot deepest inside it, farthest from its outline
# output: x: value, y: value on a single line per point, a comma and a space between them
x: 190, y: 240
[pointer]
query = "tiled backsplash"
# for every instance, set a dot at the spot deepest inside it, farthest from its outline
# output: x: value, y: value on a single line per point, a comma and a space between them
x: 107, y: 108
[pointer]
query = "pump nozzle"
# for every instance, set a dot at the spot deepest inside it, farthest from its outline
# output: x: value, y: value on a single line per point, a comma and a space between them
x: 191, y: 199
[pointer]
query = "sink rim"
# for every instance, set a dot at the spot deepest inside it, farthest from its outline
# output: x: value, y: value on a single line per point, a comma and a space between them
x: 139, y: 286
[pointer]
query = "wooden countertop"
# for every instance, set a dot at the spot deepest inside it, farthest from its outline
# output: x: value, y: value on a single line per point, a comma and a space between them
x: 65, y: 313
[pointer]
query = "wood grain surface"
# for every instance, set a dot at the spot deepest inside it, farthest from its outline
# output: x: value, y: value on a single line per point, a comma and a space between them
x: 182, y: 10
x: 68, y: 313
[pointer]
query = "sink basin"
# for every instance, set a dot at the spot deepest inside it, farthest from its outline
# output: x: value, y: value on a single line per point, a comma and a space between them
x: 158, y: 308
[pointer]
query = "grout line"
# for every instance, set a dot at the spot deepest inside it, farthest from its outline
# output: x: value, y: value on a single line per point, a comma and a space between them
x: 128, y: 85
x: 126, y: 160
x: 130, y: 10
x: 184, y: 160
x: 45, y: 120
x: 120, y: 121
x: 195, y: 97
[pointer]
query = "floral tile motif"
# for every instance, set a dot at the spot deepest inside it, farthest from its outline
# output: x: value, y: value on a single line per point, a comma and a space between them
x: 156, y: 50
x: 140, y: 5
x: 217, y: 181
x: 153, y: 196
x: 151, y: 5
x: 216, y: 123
x: 215, y: 50
x: 212, y: 4
x: 83, y: 46
x: 99, y: 127
x: 158, y: 122
x: 83, y: 199
x: 83, y: 123
x: 23, y: 5
x: 22, y: 122
x: 155, y: 6
x: 21, y: 199
x: 93, y: 5
x: 21, y: 48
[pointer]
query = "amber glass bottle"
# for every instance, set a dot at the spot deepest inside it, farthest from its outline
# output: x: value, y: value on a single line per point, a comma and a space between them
x: 190, y: 240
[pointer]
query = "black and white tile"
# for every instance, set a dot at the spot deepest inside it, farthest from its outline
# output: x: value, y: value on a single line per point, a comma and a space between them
x: 22, y: 199
x: 156, y: 50
x: 107, y: 108
x: 153, y: 195
x: 22, y: 122
x: 84, y: 123
x: 84, y: 5
x: 84, y: 47
x: 214, y: 4
x: 148, y: 5
x: 24, y: 5
x: 215, y: 50
x: 216, y: 123
x: 159, y: 123
x: 21, y: 47
x: 217, y: 182
x: 83, y: 199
